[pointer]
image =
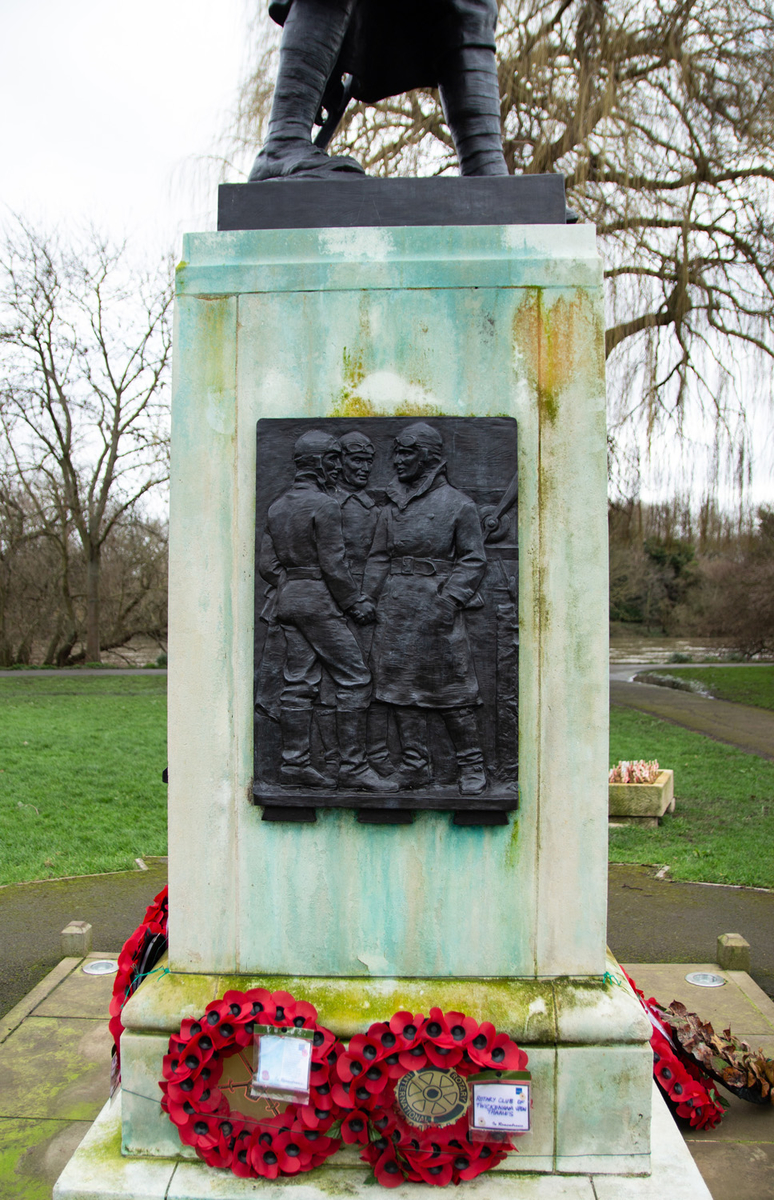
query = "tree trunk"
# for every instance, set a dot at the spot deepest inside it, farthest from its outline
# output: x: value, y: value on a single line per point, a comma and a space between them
x: 92, y: 607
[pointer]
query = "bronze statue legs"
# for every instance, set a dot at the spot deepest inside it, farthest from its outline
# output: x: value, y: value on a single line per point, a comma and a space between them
x: 311, y: 41
x: 470, y: 96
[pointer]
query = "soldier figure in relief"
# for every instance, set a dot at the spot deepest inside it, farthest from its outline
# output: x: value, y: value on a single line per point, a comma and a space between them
x: 424, y: 569
x: 302, y: 555
x: 381, y: 49
x: 359, y: 515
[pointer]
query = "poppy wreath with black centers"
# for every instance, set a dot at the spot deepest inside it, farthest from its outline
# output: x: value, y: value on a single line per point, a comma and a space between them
x: 687, y: 1089
x: 294, y: 1141
x: 369, y: 1070
x: 127, y: 979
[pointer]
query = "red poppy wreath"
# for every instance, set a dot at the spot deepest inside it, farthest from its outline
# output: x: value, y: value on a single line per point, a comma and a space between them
x: 424, y: 1057
x: 687, y: 1089
x: 295, y: 1140
x: 138, y: 956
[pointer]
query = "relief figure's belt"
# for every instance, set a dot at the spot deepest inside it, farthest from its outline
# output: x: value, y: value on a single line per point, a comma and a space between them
x: 303, y: 573
x: 406, y: 565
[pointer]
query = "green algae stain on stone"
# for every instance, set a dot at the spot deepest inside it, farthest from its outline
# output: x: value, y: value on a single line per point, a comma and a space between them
x: 512, y: 851
x: 350, y: 402
x: 556, y: 343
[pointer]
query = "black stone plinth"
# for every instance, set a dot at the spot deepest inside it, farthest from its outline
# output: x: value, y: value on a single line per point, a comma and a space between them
x: 358, y: 202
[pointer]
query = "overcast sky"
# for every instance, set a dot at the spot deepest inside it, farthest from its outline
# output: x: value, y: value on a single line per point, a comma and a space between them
x: 108, y: 110
x: 107, y: 106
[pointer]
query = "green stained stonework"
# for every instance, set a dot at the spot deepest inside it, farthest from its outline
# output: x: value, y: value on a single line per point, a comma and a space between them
x: 460, y: 321
x: 505, y: 923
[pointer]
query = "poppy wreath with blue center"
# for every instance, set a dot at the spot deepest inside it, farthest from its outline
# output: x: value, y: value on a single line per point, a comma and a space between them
x: 689, y: 1092
x: 138, y: 955
x: 369, y: 1071
x: 294, y: 1141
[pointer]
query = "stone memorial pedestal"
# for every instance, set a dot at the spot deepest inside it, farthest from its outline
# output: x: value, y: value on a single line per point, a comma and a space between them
x: 506, y: 923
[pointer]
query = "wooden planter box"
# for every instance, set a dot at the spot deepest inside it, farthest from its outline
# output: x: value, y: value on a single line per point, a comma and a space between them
x: 641, y: 803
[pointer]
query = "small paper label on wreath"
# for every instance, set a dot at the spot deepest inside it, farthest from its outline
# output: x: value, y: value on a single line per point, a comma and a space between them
x: 282, y: 1062
x: 432, y: 1096
x: 500, y: 1107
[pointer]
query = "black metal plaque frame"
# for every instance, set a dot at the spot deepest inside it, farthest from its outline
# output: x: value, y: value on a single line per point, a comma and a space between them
x: 481, y: 458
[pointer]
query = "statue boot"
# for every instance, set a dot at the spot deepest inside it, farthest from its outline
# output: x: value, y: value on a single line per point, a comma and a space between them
x: 470, y: 97
x: 311, y: 41
x: 354, y: 771
x: 326, y: 726
x: 378, y: 749
x: 414, y: 770
x: 462, y: 728
x: 296, y: 769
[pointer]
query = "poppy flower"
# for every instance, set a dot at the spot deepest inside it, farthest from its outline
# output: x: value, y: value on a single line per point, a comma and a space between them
x: 450, y: 1029
x: 407, y: 1029
x: 239, y: 1006
x: 485, y: 1160
x: 242, y: 1163
x: 443, y: 1056
x: 387, y: 1169
x: 284, y: 1008
x: 323, y: 1042
x: 342, y: 1094
x: 191, y: 1089
x: 315, y: 1118
x: 384, y: 1121
x: 304, y: 1014
x: 354, y: 1128
x: 262, y: 1006
x: 293, y: 1151
x: 414, y: 1058
x: 496, y: 1050
x: 222, y: 1152
x: 322, y: 1097
x: 204, y: 1132
x: 189, y: 1028
x: 375, y: 1078
x: 361, y: 1097
x: 361, y: 1055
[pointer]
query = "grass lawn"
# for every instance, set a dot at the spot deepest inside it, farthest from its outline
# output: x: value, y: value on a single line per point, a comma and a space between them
x: 81, y: 790
x: 743, y: 684
x: 80, y: 773
x: 722, y: 830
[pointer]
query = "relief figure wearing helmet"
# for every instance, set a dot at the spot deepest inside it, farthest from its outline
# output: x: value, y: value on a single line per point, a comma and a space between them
x: 302, y: 555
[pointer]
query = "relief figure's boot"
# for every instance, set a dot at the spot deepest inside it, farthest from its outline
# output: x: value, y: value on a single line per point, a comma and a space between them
x: 470, y: 95
x: 326, y: 727
x: 462, y: 728
x: 414, y: 770
x: 296, y: 769
x: 354, y: 771
x: 378, y: 750
x: 311, y: 41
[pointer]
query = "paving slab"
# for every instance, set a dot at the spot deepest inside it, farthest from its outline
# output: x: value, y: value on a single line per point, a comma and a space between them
x: 55, y: 1067
x: 725, y: 1006
x: 33, y: 1154
x: 736, y: 1172
x: 79, y: 995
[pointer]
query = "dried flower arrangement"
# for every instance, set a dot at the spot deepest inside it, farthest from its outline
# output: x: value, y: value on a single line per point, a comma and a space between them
x: 634, y: 772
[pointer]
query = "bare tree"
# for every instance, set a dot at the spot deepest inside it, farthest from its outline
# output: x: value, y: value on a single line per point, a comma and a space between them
x: 85, y: 345
x: 660, y: 116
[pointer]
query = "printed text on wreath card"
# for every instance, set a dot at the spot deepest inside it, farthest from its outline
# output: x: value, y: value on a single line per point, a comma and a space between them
x: 501, y: 1106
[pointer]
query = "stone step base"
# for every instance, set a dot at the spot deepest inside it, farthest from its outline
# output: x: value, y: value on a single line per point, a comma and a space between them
x: 97, y: 1171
